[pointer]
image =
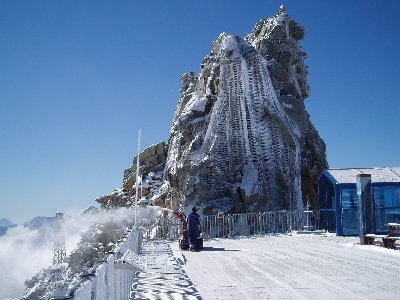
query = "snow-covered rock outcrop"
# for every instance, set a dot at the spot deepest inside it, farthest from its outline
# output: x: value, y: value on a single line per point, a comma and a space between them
x: 152, y: 163
x: 241, y: 139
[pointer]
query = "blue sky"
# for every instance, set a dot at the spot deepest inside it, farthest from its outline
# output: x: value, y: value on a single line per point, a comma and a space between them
x: 79, y: 78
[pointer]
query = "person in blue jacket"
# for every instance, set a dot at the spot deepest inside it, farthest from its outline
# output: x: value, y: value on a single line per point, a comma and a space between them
x: 193, y: 221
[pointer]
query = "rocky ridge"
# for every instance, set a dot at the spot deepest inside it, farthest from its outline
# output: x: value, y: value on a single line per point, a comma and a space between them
x: 152, y: 164
x: 241, y: 139
x: 288, y: 72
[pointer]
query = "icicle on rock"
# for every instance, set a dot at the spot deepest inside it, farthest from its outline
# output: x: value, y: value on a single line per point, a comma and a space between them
x: 241, y: 139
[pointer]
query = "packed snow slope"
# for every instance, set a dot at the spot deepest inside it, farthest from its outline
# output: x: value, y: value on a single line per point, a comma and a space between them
x: 241, y: 139
x: 292, y: 267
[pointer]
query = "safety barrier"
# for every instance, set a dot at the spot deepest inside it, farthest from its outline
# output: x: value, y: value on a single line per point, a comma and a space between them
x: 217, y: 226
x: 111, y: 278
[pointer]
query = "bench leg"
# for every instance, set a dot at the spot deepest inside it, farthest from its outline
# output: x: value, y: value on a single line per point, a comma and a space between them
x: 368, y: 240
x: 388, y: 243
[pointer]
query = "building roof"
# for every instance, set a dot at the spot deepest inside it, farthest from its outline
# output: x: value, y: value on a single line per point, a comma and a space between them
x: 382, y: 175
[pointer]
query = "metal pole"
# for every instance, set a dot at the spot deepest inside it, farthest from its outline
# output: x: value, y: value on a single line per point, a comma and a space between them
x: 365, y: 206
x: 137, y: 175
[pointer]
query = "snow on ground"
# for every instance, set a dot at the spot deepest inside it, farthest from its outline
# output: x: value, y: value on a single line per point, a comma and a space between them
x: 162, y: 276
x: 292, y: 267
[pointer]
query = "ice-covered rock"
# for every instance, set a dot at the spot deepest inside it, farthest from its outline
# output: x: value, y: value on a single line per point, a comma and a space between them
x: 90, y: 210
x: 47, y: 283
x: 241, y: 139
x: 288, y: 73
x: 152, y: 164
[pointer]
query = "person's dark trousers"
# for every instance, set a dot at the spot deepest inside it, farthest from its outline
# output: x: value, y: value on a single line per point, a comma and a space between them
x: 193, y: 239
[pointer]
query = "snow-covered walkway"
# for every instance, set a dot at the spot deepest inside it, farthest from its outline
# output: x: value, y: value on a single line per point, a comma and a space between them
x: 292, y: 267
x: 163, y: 277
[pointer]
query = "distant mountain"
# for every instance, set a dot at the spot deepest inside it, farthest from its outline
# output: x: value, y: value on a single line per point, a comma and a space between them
x: 90, y: 210
x: 40, y: 222
x: 5, y: 223
x: 3, y: 230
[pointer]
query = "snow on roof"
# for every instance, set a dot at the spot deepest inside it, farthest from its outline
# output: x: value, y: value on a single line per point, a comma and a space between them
x: 387, y: 174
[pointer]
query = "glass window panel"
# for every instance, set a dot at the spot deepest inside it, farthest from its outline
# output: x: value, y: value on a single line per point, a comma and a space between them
x: 326, y: 194
x: 392, y: 215
x: 380, y: 219
x: 349, y: 198
x: 396, y: 197
x: 379, y: 197
x: 387, y: 206
x: 388, y: 197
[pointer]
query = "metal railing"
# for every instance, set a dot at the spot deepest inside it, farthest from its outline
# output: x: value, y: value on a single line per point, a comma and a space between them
x: 110, y: 278
x: 217, y: 226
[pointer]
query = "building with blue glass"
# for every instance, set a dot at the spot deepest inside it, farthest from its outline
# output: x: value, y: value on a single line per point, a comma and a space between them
x: 338, y: 203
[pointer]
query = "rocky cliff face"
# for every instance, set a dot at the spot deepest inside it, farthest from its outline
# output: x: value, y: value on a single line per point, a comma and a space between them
x: 277, y: 40
x: 241, y: 139
x: 152, y: 163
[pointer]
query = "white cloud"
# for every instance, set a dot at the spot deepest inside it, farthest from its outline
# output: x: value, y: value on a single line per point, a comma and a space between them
x: 23, y: 252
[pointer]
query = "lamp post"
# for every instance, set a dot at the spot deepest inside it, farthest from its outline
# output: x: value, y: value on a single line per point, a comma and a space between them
x: 137, y: 176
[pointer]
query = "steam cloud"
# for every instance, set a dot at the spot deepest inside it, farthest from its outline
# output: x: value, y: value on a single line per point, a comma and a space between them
x: 23, y: 252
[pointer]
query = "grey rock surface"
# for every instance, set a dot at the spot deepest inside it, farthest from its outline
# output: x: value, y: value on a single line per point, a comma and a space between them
x: 241, y: 139
x: 152, y: 163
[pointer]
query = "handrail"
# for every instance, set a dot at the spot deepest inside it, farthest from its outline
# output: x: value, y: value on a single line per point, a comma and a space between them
x: 245, y: 224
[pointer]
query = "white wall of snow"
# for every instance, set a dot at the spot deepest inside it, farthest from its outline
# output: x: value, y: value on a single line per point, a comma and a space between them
x: 84, y: 291
x: 112, y: 278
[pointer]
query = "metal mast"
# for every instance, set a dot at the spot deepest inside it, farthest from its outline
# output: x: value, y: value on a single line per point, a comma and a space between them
x: 137, y: 176
x: 59, y: 254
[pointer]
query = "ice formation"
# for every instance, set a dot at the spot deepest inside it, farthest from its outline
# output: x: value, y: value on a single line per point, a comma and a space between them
x: 241, y: 139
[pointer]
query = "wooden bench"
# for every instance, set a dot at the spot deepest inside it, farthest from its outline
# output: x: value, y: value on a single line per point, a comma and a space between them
x: 393, y: 236
x: 369, y: 239
x: 388, y: 241
x: 394, y: 229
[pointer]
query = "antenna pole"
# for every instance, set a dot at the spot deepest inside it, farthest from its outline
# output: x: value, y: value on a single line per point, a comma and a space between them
x: 137, y: 176
x: 59, y: 253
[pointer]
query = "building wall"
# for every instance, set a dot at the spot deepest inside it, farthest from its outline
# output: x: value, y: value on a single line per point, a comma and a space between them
x: 327, y: 204
x: 338, y: 205
x: 386, y: 204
